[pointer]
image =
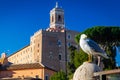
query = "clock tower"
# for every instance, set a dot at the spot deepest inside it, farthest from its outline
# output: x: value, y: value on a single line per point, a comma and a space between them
x: 57, y: 18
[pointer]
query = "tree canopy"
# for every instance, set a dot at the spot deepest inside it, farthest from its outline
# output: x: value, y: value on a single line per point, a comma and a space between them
x: 107, y: 38
x: 102, y: 34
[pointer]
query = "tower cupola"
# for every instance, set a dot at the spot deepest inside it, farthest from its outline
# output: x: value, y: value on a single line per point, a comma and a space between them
x: 57, y: 17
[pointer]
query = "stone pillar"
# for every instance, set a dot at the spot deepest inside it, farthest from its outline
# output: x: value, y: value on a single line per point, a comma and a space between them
x: 85, y: 71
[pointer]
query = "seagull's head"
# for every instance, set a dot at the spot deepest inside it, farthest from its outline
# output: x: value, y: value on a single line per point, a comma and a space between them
x: 83, y: 36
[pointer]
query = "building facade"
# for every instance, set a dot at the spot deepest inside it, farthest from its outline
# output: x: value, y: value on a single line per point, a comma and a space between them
x: 48, y: 47
x: 33, y: 71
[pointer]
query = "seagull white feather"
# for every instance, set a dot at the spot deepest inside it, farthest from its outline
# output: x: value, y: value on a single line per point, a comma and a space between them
x: 90, y: 47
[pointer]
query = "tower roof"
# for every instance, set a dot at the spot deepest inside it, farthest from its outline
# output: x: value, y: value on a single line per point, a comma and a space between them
x: 56, y: 5
x: 56, y: 19
x: 57, y: 8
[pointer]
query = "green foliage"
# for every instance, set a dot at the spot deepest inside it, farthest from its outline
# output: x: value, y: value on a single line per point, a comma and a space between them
x: 76, y: 59
x: 80, y: 57
x: 59, y: 76
x: 102, y: 34
x: 71, y: 66
x: 77, y: 38
x: 107, y: 37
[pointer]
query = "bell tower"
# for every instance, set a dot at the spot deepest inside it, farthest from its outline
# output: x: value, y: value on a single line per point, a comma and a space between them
x: 57, y: 18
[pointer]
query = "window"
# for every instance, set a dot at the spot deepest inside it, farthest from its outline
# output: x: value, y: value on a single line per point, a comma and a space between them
x: 59, y: 43
x: 31, y: 72
x: 31, y: 49
x: 68, y: 44
x: 38, y: 50
x: 50, y: 55
x: 26, y: 50
x: 60, y: 56
x: 21, y: 53
x: 38, y: 45
x: 68, y: 36
x: 59, y: 18
x: 46, y: 77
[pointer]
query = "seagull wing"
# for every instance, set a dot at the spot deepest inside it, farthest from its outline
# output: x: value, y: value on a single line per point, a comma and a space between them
x: 94, y: 46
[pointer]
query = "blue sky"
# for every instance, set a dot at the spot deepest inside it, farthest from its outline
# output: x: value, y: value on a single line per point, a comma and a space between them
x: 19, y: 19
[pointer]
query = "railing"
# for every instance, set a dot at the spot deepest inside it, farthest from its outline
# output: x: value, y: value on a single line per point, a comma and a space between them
x: 108, y: 74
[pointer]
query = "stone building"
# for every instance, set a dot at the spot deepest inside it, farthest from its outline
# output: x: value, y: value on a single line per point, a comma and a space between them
x: 48, y: 48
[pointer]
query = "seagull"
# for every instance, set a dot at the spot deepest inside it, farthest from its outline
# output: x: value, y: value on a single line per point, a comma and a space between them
x: 91, y: 48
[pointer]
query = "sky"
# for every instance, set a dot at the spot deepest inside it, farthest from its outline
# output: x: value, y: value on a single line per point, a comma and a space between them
x: 20, y: 19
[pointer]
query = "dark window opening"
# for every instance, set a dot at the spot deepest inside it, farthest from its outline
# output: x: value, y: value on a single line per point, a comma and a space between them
x: 60, y: 56
x: 59, y: 18
x: 46, y: 77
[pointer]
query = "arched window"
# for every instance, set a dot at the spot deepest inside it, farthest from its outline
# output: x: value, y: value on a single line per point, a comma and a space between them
x: 59, y: 18
x: 60, y: 56
x: 50, y: 55
x: 59, y: 43
x: 52, y: 18
x: 69, y: 36
x: 46, y: 77
x: 68, y: 44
